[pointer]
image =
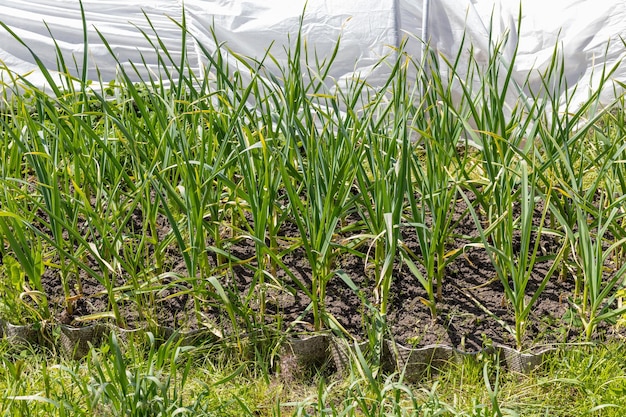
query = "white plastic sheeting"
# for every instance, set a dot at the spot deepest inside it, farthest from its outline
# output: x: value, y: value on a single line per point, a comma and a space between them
x: 587, y: 31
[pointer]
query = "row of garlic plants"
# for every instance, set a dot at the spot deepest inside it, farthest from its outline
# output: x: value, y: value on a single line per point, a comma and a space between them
x: 208, y: 160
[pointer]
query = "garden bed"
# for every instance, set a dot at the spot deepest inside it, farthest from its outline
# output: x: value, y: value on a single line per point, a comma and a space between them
x: 470, y: 315
x: 276, y: 205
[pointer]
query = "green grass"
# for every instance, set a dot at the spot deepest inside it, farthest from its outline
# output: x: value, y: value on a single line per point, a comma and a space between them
x: 208, y: 381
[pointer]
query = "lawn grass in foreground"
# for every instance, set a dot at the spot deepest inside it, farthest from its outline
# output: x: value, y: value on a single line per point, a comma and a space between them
x: 136, y: 380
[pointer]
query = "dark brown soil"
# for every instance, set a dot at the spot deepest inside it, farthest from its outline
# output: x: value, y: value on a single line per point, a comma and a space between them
x: 470, y: 316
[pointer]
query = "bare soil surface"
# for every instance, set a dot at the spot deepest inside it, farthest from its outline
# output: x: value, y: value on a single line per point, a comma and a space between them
x: 473, y: 312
